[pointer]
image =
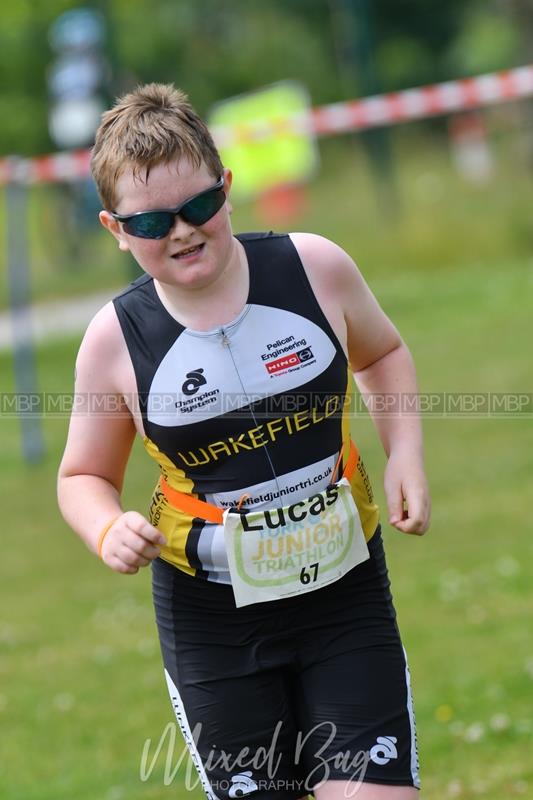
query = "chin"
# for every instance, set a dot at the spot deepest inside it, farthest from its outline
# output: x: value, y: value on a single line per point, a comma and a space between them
x: 192, y: 277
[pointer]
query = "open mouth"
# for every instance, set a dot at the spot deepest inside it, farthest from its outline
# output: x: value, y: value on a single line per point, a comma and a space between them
x: 189, y: 252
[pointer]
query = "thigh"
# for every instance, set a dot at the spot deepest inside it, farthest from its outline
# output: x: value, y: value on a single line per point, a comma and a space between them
x: 341, y: 790
x: 236, y: 716
x: 240, y: 733
x: 356, y: 711
x: 354, y: 695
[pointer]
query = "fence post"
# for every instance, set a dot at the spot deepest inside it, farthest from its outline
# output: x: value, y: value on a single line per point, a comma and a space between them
x: 29, y: 405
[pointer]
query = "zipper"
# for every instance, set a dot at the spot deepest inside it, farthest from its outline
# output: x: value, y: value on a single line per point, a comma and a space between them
x: 226, y: 342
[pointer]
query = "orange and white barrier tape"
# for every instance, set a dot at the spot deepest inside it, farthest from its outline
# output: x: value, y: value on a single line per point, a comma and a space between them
x: 343, y: 117
x: 54, y: 168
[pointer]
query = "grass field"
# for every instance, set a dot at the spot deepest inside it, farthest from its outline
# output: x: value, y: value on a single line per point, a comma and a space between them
x: 81, y: 685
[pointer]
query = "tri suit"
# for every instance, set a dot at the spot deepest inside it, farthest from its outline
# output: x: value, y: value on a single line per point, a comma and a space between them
x: 258, y: 410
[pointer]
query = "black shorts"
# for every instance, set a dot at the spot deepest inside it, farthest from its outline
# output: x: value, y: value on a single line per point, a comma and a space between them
x: 274, y: 698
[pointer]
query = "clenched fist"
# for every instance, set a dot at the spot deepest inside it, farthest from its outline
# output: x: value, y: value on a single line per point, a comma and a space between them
x: 131, y: 542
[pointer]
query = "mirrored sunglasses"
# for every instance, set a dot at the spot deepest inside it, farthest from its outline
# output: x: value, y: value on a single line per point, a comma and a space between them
x: 157, y: 224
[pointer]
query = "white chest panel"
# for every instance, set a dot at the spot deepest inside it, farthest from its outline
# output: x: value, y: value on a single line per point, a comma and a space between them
x: 265, y: 351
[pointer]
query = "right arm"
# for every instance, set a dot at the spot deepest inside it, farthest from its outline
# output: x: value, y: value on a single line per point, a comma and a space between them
x: 99, y: 442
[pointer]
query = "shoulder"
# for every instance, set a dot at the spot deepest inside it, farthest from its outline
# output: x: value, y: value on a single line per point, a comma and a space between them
x: 320, y: 254
x: 326, y: 263
x: 104, y: 329
x: 335, y: 278
x: 316, y: 246
x: 102, y: 347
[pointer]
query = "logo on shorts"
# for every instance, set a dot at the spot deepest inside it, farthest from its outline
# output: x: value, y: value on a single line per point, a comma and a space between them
x: 242, y: 784
x: 384, y: 750
x: 195, y: 379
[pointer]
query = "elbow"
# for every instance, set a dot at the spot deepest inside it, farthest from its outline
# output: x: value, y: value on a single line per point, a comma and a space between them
x: 394, y: 350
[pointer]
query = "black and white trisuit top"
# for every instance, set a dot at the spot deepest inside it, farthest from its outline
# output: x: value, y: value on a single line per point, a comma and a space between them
x: 258, y: 407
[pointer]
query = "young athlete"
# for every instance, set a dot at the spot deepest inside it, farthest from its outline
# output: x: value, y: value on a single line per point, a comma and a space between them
x: 232, y: 357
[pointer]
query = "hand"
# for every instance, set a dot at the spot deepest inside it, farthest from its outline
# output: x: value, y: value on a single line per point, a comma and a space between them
x: 407, y: 493
x: 130, y: 543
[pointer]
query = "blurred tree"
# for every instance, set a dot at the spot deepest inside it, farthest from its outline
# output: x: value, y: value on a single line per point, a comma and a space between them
x: 23, y: 61
x: 218, y: 48
x: 521, y: 19
x: 489, y: 39
x: 412, y: 37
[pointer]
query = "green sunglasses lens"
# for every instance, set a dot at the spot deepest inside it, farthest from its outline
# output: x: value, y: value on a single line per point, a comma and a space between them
x: 201, y: 208
x: 151, y: 225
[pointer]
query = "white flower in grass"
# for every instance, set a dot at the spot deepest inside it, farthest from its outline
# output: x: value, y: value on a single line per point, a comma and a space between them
x: 528, y: 666
x: 454, y: 788
x: 115, y: 793
x: 451, y: 585
x: 499, y: 722
x: 507, y: 566
x: 63, y: 701
x: 474, y: 733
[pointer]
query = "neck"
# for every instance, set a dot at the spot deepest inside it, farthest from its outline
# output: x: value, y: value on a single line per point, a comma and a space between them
x: 204, y: 307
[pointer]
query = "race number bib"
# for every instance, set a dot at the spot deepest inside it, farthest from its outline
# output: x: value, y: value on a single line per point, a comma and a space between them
x: 287, y: 551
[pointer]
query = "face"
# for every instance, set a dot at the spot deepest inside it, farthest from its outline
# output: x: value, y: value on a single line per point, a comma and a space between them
x: 190, y: 257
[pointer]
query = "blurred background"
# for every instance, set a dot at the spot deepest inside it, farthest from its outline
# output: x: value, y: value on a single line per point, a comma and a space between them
x: 436, y: 211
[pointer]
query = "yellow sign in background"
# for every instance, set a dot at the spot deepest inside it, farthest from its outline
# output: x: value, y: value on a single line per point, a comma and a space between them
x: 258, y: 164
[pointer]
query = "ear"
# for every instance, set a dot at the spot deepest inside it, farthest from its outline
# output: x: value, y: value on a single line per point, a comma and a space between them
x: 228, y: 178
x: 113, y: 226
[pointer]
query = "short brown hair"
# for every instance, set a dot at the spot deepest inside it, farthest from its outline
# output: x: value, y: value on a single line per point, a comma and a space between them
x: 152, y: 125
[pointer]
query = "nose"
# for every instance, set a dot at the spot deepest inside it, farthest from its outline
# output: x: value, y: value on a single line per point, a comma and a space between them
x: 180, y: 229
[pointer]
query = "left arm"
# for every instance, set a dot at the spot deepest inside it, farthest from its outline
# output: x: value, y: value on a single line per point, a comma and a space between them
x: 382, y: 365
x: 393, y: 374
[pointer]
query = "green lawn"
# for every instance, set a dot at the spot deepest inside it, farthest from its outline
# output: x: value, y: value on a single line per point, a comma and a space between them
x: 81, y: 684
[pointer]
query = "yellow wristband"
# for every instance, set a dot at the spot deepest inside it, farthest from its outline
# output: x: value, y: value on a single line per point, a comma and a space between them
x: 103, y: 534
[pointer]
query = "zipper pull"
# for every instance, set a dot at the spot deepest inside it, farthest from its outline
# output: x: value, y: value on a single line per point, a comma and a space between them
x: 225, y: 338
